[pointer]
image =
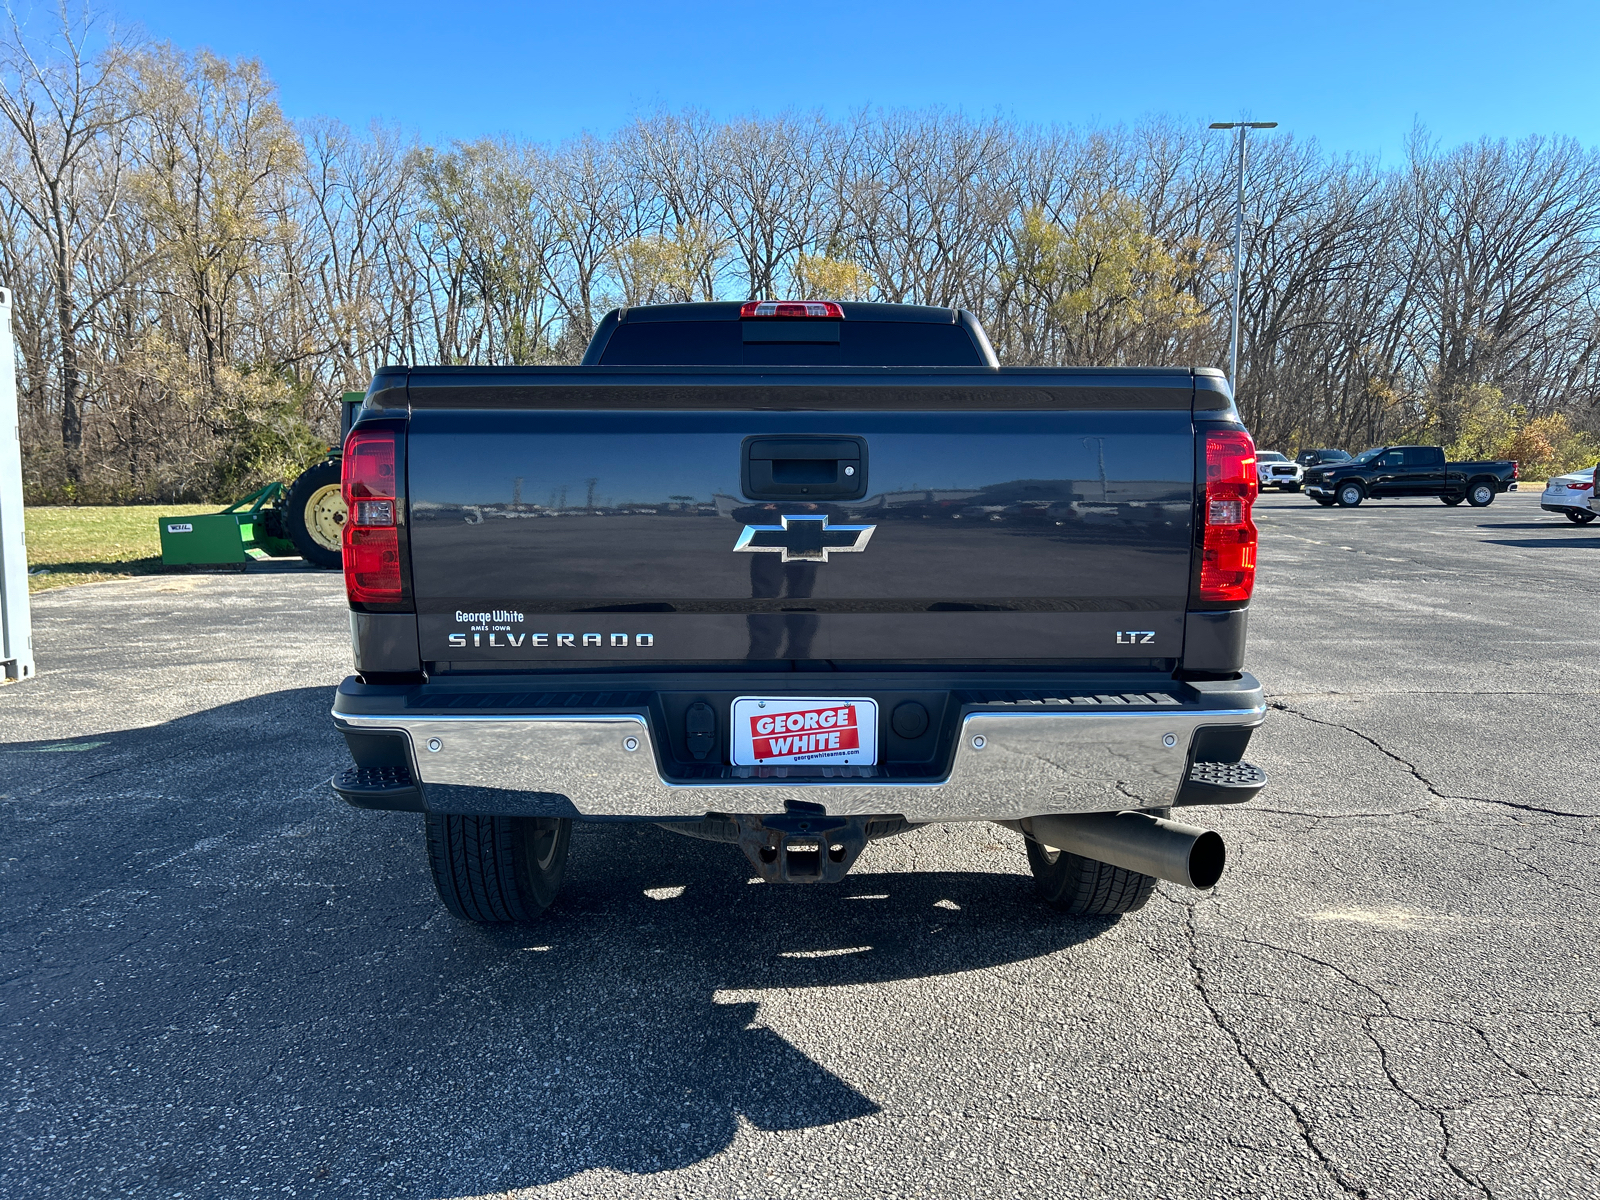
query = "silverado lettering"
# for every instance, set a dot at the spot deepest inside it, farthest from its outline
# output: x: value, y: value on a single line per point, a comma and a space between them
x: 537, y: 640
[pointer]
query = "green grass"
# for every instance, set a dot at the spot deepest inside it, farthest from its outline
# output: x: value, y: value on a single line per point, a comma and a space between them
x: 69, y: 545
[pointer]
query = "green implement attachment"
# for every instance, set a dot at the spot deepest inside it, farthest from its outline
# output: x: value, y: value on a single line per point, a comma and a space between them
x: 248, y: 529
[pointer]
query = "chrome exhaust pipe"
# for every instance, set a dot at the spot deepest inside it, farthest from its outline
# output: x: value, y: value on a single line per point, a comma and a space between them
x: 1137, y: 841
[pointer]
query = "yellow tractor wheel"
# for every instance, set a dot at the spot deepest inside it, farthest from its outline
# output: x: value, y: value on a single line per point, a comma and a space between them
x: 314, y: 514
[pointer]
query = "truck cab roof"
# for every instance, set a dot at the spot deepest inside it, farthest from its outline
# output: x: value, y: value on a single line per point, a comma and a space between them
x: 851, y: 334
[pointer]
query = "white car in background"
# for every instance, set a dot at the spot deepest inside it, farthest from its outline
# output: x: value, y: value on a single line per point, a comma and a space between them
x: 1571, y: 495
x: 1275, y: 470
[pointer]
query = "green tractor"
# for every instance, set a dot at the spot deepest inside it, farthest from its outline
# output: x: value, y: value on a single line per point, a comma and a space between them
x: 306, y: 518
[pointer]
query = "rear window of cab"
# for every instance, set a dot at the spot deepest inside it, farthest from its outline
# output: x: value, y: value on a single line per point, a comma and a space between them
x: 848, y: 343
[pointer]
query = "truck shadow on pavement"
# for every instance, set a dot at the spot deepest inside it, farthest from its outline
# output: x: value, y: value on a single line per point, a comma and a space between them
x: 1553, y: 522
x: 235, y: 981
x: 1543, y: 543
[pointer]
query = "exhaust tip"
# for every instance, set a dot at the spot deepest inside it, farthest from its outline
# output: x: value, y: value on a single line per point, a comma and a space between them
x: 1207, y: 857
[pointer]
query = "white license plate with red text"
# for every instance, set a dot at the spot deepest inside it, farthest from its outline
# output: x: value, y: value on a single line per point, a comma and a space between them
x: 797, y: 733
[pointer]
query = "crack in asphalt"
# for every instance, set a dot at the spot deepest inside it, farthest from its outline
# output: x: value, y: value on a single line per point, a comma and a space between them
x: 1439, y: 1113
x: 1446, y: 1137
x: 1295, y: 812
x: 1535, y: 1088
x: 1432, y: 788
x: 1511, y: 853
x: 1197, y: 975
x: 1229, y: 1139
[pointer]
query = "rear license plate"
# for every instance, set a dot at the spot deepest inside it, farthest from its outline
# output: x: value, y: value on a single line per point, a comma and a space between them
x: 812, y: 731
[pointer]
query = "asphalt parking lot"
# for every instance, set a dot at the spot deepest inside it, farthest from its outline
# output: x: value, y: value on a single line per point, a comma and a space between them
x: 219, y: 981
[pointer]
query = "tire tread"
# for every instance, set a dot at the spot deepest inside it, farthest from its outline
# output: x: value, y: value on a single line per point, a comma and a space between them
x: 478, y: 869
x: 1086, y: 887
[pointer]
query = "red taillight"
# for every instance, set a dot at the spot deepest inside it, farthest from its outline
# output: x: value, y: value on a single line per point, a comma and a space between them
x: 1580, y: 487
x: 1228, y: 562
x: 789, y: 309
x: 371, y: 537
x: 1516, y: 470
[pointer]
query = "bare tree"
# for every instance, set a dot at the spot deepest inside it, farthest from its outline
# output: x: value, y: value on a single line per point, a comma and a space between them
x: 69, y: 112
x: 1509, y: 240
x: 196, y: 277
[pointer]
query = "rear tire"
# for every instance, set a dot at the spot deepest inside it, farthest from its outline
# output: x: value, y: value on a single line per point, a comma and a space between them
x: 1084, y: 887
x: 1480, y: 495
x: 314, y: 512
x: 1580, y: 518
x: 1350, y: 495
x: 496, y: 870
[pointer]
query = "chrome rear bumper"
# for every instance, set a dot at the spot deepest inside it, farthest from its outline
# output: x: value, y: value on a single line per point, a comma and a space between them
x: 1006, y: 765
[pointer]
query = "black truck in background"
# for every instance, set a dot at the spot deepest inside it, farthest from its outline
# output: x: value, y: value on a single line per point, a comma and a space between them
x: 1399, y: 471
x: 794, y: 577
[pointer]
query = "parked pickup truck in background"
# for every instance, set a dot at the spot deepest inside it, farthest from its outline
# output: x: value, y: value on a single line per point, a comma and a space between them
x: 794, y: 577
x: 1395, y: 471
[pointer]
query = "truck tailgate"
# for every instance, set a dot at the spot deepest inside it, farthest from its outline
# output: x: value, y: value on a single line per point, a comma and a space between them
x: 566, y: 537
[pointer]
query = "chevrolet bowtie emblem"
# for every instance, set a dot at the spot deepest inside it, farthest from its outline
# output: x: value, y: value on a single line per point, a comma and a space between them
x: 804, y: 539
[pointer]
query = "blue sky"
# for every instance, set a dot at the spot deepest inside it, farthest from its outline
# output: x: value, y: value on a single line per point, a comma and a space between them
x: 1355, y: 76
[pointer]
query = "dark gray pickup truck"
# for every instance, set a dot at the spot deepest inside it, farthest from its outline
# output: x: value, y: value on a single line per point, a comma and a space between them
x: 794, y: 577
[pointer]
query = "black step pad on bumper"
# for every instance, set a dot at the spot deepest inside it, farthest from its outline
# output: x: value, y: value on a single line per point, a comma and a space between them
x: 379, y: 787
x: 1221, y: 783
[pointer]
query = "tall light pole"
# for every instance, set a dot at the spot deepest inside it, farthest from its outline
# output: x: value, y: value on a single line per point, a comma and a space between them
x: 1238, y: 242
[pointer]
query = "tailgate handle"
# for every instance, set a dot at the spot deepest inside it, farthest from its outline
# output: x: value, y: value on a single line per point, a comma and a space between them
x: 804, y: 467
